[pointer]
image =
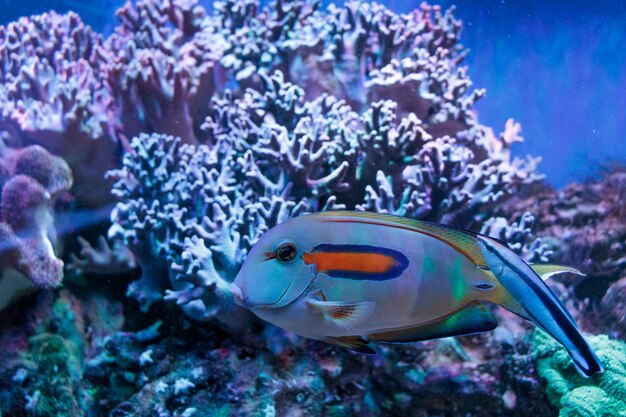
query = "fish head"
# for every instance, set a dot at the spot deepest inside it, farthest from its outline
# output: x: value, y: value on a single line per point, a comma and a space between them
x: 274, y: 274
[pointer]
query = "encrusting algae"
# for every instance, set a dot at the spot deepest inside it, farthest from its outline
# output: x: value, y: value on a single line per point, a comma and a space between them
x: 602, y: 395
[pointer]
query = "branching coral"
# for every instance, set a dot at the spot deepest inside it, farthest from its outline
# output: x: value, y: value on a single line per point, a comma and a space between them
x: 360, y: 52
x: 102, y: 258
x: 51, y: 95
x: 32, y: 179
x: 272, y: 155
x: 351, y: 107
x: 602, y: 395
x: 277, y: 145
x: 519, y: 236
x: 163, y: 67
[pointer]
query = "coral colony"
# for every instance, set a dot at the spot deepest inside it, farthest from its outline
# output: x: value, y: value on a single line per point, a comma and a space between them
x: 204, y: 131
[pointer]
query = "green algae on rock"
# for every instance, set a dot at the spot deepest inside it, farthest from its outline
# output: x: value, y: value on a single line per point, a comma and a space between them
x: 603, y: 395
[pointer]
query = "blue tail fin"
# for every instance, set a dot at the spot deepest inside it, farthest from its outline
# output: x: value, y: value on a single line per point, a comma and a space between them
x: 540, y: 304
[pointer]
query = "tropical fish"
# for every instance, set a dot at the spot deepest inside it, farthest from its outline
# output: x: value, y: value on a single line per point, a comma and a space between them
x: 353, y: 278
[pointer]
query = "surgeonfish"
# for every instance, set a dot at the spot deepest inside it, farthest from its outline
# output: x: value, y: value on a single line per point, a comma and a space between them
x: 352, y: 279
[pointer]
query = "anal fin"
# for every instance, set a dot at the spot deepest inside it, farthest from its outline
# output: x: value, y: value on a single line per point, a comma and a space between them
x: 355, y: 343
x: 473, y: 318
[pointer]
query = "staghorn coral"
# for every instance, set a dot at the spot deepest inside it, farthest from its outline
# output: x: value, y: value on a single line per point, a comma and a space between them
x: 602, y: 395
x: 32, y: 180
x: 163, y: 67
x: 51, y: 95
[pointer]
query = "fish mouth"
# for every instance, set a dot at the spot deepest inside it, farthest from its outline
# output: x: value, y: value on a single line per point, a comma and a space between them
x: 294, y: 301
x: 266, y: 306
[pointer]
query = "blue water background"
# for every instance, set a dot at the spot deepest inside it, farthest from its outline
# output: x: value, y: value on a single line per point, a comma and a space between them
x: 559, y: 68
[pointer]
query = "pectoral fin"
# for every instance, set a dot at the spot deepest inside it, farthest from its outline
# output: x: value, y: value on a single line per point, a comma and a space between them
x: 343, y: 314
x: 473, y: 318
x: 546, y: 271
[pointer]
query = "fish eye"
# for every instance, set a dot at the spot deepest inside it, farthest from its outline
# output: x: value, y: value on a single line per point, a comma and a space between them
x: 286, y: 252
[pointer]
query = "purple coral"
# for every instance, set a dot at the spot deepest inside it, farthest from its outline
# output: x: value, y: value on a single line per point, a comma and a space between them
x: 50, y: 171
x: 32, y: 179
x: 163, y: 67
x: 27, y: 260
x: 51, y: 95
x: 22, y: 198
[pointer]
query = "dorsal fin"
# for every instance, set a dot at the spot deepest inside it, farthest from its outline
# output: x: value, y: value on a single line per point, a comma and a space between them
x: 464, y: 241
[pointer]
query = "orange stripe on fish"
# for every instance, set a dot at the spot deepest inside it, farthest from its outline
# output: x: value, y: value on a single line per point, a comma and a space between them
x: 358, y: 262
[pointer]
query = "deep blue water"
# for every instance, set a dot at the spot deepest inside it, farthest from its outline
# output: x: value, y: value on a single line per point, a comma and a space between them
x: 559, y: 68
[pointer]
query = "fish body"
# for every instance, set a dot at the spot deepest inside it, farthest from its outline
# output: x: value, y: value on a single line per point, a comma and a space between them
x: 351, y: 279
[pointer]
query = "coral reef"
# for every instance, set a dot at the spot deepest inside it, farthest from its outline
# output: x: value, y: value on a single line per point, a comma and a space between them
x: 602, y: 395
x: 595, y: 220
x: 31, y: 180
x: 214, y: 128
x: 88, y: 353
x: 584, y: 225
x: 51, y: 95
x: 276, y: 150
